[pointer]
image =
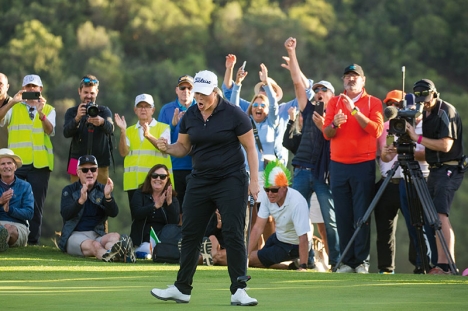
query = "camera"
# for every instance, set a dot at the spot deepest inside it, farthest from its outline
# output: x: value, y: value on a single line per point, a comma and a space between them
x: 92, y: 109
x: 31, y: 95
x: 400, y: 118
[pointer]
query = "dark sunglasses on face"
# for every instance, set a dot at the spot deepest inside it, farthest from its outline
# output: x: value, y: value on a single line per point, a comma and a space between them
x: 392, y: 103
x: 161, y: 176
x: 86, y: 169
x: 255, y: 105
x: 318, y: 89
x: 88, y: 80
x: 422, y: 93
x: 183, y: 88
x: 272, y: 190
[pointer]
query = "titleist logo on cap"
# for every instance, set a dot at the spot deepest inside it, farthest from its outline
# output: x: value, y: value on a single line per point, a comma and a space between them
x: 201, y: 80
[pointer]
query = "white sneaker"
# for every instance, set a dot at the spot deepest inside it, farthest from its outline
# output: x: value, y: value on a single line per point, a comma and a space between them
x: 345, y: 269
x: 170, y: 293
x: 362, y: 268
x: 240, y: 298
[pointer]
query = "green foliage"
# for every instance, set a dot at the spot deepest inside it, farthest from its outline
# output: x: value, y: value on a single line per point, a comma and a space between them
x: 143, y: 46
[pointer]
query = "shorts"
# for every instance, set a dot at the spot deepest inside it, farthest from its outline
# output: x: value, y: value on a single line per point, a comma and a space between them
x: 23, y: 232
x: 442, y: 183
x: 315, y: 213
x: 76, y: 238
x: 276, y: 251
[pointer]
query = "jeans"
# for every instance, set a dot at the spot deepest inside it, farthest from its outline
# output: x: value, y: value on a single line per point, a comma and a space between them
x: 305, y: 182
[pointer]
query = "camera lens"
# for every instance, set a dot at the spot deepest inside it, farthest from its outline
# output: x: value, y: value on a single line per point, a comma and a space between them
x: 92, y: 110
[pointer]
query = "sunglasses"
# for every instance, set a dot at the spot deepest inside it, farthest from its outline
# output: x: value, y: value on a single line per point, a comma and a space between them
x: 423, y: 93
x: 87, y: 80
x: 255, y: 105
x: 392, y: 103
x: 31, y: 114
x: 318, y: 89
x: 183, y: 88
x: 87, y: 169
x: 161, y: 176
x: 272, y: 190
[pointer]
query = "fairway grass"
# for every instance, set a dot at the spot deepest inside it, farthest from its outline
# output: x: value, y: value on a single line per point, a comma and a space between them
x: 43, y: 278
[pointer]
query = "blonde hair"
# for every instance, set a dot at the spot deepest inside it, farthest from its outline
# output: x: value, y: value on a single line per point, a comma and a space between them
x: 262, y: 96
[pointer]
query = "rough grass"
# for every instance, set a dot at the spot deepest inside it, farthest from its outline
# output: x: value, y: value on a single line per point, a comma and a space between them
x: 43, y: 278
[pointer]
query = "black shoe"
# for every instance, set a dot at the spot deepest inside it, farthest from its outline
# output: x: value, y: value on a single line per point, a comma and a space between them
x: 419, y: 270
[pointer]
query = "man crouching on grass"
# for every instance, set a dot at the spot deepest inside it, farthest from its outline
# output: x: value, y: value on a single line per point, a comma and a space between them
x: 85, y: 206
x: 292, y: 239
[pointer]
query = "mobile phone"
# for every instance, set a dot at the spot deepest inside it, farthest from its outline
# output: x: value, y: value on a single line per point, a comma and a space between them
x: 243, y: 65
x: 31, y: 95
x: 319, y: 108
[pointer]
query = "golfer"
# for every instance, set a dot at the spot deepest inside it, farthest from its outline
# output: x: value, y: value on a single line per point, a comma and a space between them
x: 213, y: 132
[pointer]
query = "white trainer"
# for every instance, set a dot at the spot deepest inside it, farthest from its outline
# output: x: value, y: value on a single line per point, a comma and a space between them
x: 240, y: 298
x: 345, y: 269
x: 170, y: 293
x: 362, y: 268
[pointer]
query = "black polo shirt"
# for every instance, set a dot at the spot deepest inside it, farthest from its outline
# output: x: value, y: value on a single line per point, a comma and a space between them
x: 444, y: 121
x: 216, y: 150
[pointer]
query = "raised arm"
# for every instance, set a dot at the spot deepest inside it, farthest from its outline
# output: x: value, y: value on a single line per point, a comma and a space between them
x: 296, y: 74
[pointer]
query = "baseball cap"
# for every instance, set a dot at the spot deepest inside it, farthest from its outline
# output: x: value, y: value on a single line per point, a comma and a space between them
x: 87, y: 159
x: 185, y: 79
x: 205, y: 82
x: 326, y: 84
x: 32, y: 79
x: 424, y: 85
x: 354, y: 68
x: 395, y: 95
x: 144, y: 98
x: 276, y: 88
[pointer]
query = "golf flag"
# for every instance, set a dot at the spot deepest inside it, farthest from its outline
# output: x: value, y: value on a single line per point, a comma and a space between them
x: 153, y: 240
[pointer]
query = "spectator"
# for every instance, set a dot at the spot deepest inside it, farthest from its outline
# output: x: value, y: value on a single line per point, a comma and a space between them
x: 293, y: 229
x: 90, y: 126
x: 352, y: 123
x: 31, y: 123
x: 138, y: 144
x: 4, y: 99
x: 85, y: 206
x: 171, y: 113
x: 16, y: 203
x: 312, y: 159
x: 395, y: 197
x: 153, y: 205
x: 213, y: 131
x: 442, y: 136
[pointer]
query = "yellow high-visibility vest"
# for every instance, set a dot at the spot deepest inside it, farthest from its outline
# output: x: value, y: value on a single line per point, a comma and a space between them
x: 27, y: 138
x: 143, y: 156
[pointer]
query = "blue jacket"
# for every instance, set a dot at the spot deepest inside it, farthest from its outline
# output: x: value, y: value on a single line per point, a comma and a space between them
x: 72, y: 211
x: 165, y: 116
x: 21, y: 204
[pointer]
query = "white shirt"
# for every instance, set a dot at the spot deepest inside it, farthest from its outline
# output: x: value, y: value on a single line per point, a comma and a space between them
x: 166, y: 134
x: 291, y: 218
x: 50, y: 117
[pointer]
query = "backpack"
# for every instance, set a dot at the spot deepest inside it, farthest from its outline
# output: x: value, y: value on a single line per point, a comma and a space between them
x: 168, y: 250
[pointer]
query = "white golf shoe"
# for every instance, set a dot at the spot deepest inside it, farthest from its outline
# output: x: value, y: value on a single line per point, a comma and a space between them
x: 240, y: 298
x: 170, y: 293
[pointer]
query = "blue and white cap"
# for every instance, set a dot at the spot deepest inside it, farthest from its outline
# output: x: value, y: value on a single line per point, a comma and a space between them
x: 32, y: 79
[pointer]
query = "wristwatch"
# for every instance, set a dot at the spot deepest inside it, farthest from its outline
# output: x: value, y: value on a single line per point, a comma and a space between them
x: 354, y: 111
x: 334, y: 126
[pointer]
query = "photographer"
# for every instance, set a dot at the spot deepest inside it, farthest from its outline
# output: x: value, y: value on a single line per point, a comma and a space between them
x: 90, y: 127
x: 442, y: 136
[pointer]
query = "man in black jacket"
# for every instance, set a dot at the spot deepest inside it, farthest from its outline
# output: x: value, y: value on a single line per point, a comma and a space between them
x: 90, y: 126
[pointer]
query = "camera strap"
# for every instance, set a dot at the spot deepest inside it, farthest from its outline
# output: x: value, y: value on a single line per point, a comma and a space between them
x: 90, y: 138
x: 257, y: 139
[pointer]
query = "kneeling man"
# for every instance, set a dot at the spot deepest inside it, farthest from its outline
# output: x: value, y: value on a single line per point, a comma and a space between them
x: 290, y: 211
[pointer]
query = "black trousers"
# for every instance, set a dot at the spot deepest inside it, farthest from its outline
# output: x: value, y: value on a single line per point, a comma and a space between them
x: 202, y: 198
x: 180, y: 183
x: 39, y: 180
x: 386, y: 217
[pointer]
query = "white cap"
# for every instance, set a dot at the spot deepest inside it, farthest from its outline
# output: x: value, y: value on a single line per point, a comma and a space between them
x: 144, y: 98
x: 326, y: 84
x: 205, y: 82
x: 32, y: 79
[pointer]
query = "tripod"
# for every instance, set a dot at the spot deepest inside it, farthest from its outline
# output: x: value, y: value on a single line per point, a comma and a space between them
x: 419, y: 206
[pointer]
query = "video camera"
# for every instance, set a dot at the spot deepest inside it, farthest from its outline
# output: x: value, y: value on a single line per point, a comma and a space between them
x: 399, y: 118
x: 92, y: 109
